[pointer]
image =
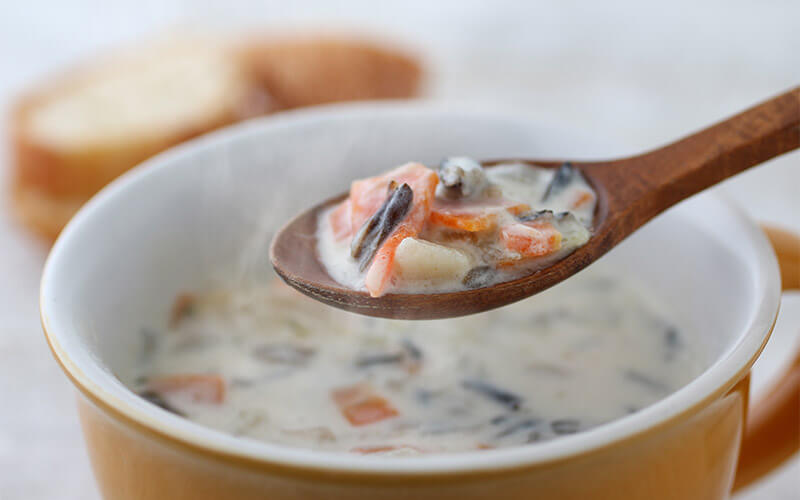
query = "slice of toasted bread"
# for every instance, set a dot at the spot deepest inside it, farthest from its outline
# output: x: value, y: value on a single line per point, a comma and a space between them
x: 311, y: 71
x: 84, y: 129
x: 73, y: 137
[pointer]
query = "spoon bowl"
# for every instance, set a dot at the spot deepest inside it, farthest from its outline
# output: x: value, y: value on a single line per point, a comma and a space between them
x: 294, y: 256
x: 630, y: 192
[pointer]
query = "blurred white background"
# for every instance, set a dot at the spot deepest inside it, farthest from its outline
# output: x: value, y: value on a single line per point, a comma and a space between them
x: 636, y: 74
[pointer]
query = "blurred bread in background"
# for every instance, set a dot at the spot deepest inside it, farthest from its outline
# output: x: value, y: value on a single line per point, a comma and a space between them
x: 306, y: 72
x: 81, y: 130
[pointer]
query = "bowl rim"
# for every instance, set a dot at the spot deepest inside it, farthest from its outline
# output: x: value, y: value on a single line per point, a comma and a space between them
x: 716, y: 380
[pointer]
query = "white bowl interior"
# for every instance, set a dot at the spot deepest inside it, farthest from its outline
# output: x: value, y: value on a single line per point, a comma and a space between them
x: 203, y: 215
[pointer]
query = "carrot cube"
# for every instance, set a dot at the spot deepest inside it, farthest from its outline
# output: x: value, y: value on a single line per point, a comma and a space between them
x: 201, y: 388
x: 465, y: 221
x: 581, y: 199
x: 361, y: 405
x: 531, y: 240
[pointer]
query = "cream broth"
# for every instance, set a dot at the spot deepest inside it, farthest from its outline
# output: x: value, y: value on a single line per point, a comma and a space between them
x: 272, y: 365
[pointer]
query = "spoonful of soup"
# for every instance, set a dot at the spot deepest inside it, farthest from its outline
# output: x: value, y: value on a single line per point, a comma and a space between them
x: 425, y: 242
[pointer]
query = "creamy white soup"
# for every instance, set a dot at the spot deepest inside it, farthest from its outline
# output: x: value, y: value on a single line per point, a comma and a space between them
x: 272, y: 365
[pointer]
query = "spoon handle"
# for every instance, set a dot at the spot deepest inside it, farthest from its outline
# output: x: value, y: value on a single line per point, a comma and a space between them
x: 650, y: 183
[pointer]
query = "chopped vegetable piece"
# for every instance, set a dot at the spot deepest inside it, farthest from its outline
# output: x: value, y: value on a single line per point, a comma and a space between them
x: 533, y: 437
x: 149, y: 343
x: 283, y: 354
x: 367, y: 450
x: 673, y: 343
x: 516, y: 208
x: 410, y: 358
x: 479, y: 277
x: 549, y: 369
x: 417, y: 259
x: 525, y: 424
x: 340, y: 220
x: 531, y: 239
x: 473, y: 216
x: 379, y: 359
x: 672, y: 338
x: 379, y: 273
x: 201, y: 388
x: 464, y: 221
x: 565, y: 426
x: 583, y: 198
x: 377, y: 228
x: 413, y: 350
x: 461, y: 177
x: 157, y: 400
x: 424, y: 396
x: 181, y: 308
x: 561, y: 179
x: 505, y: 398
x: 361, y: 405
x: 369, y: 194
x: 499, y: 419
x: 532, y: 216
x: 449, y: 426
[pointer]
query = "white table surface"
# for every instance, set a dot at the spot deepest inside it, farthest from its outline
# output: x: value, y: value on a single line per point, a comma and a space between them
x: 637, y: 75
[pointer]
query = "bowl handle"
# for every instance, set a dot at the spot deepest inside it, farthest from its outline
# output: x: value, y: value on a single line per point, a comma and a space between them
x: 772, y: 434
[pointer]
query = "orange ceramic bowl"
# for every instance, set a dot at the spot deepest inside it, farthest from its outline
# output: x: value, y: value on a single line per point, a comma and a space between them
x: 203, y: 215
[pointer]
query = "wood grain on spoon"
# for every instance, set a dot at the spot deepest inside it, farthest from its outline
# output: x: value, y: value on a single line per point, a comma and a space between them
x: 630, y: 192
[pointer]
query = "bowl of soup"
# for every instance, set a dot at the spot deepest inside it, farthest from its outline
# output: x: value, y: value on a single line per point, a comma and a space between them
x: 202, y: 375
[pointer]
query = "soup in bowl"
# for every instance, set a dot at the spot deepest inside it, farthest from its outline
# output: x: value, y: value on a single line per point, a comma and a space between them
x: 202, y: 375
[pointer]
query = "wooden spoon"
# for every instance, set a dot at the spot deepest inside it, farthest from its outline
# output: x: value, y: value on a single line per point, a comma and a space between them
x: 630, y: 192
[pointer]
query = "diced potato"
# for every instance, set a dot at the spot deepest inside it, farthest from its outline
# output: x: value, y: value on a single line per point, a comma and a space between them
x: 574, y: 234
x: 417, y: 259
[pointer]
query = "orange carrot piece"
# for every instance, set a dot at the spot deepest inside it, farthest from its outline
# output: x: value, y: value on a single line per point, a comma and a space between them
x: 422, y: 181
x: 366, y: 450
x: 470, y: 222
x: 582, y: 199
x: 361, y: 405
x: 473, y: 217
x: 202, y: 388
x: 518, y: 208
x: 182, y: 307
x: 340, y: 220
x: 530, y: 240
x: 367, y: 195
x: 506, y: 263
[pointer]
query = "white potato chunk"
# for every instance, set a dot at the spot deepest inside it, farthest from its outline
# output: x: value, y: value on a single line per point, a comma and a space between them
x: 422, y: 260
x: 573, y: 233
